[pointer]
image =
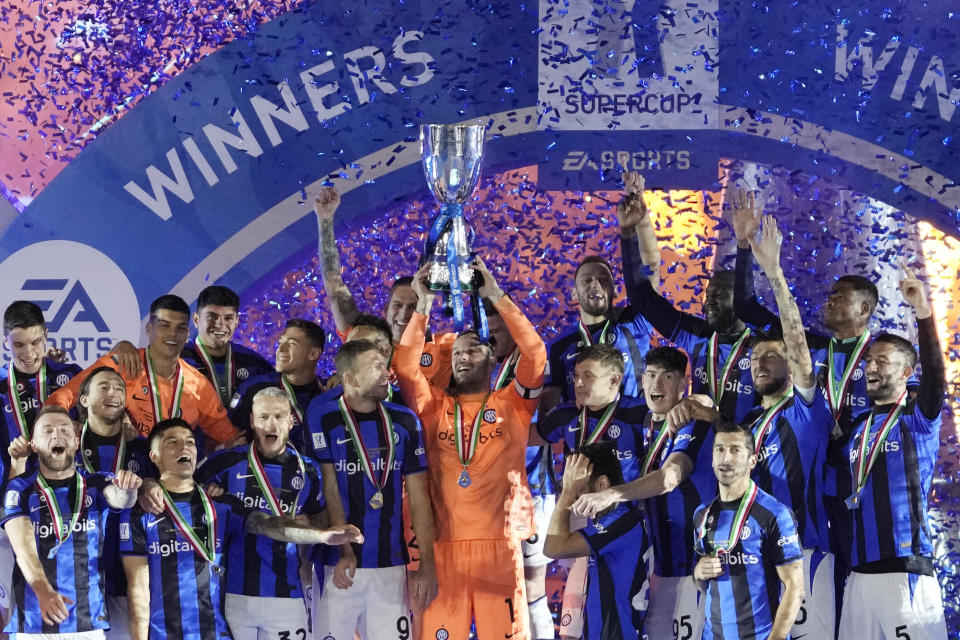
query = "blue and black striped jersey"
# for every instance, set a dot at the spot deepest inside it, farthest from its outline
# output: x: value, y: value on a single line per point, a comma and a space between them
x: 616, y: 574
x: 260, y: 566
x: 186, y: 599
x: 247, y: 364
x: 742, y: 602
x: 626, y: 330
x: 670, y: 516
x: 242, y: 403
x: 330, y: 443
x: 73, y: 568
x: 790, y: 463
x: 626, y: 430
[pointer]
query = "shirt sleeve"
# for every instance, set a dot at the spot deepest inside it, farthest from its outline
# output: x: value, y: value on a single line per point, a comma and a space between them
x: 415, y: 455
x: 211, y: 469
x: 15, y: 500
x: 417, y: 391
x: 551, y: 426
x: 781, y: 543
x: 213, y: 418
x: 690, y: 438
x: 133, y: 538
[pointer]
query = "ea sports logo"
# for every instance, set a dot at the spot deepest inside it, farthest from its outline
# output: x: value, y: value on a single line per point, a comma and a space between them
x: 744, y: 364
x: 87, y: 300
x: 490, y: 416
x: 613, y: 432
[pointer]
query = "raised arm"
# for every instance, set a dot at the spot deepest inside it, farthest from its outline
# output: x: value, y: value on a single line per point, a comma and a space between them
x: 767, y: 250
x: 637, y: 236
x: 341, y: 301
x: 533, y: 353
x: 746, y: 221
x: 560, y: 541
x: 416, y: 389
x: 933, y: 382
x: 121, y: 493
x: 675, y: 470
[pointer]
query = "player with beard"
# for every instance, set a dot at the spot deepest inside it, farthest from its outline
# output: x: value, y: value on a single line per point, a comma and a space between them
x: 175, y: 561
x: 599, y: 322
x: 55, y: 519
x: 264, y: 596
x: 791, y: 429
x: 167, y: 386
x: 372, y: 329
x: 401, y: 303
x: 368, y: 450
x: 747, y: 546
x: 716, y: 343
x: 542, y: 483
x: 476, y: 440
x: 298, y: 352
x: 615, y: 543
x: 892, y: 451
x: 675, y: 478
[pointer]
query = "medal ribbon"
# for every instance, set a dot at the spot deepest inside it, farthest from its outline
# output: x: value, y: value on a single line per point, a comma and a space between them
x: 602, y: 424
x: 716, y: 385
x: 353, y: 428
x: 155, y: 389
x: 117, y: 456
x: 739, y: 520
x: 292, y: 397
x: 260, y: 475
x: 19, y: 415
x: 226, y: 388
x: 585, y: 334
x: 506, y: 369
x: 837, y: 389
x: 206, y: 551
x: 653, y: 450
x: 80, y: 494
x: 865, y: 460
x: 466, y: 450
x: 762, y: 424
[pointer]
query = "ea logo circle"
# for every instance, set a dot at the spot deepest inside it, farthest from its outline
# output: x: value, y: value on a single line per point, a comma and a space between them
x: 242, y: 374
x: 88, y: 301
x: 745, y: 532
x: 744, y: 364
x: 425, y: 361
x: 490, y: 416
x: 857, y: 374
x: 613, y: 431
x: 297, y: 483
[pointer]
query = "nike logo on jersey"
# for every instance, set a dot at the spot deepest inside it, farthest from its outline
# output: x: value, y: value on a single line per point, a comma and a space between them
x: 339, y: 441
x: 155, y: 522
x: 571, y: 356
x: 241, y: 476
x: 43, y: 506
x: 573, y: 429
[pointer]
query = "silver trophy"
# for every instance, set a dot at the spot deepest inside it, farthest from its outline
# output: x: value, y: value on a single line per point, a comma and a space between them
x: 451, y: 156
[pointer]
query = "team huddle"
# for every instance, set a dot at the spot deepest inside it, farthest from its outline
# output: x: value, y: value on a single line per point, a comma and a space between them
x: 730, y: 475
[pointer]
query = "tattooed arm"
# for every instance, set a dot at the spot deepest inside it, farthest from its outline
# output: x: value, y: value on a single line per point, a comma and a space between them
x: 342, y: 304
x: 767, y: 252
x: 298, y: 532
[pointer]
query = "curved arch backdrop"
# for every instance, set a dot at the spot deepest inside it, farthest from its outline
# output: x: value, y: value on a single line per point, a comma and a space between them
x: 192, y: 161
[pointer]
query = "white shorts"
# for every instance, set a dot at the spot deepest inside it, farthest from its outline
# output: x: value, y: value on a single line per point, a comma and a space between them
x: 7, y: 562
x: 82, y: 635
x: 675, y: 609
x: 119, y: 611
x: 255, y: 618
x: 533, y: 546
x: 375, y: 606
x: 892, y: 605
x: 817, y: 617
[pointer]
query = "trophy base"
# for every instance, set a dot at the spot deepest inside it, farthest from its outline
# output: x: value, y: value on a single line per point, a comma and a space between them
x: 439, y: 278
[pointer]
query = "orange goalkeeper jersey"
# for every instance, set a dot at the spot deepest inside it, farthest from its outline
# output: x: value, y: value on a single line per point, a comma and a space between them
x: 496, y: 505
